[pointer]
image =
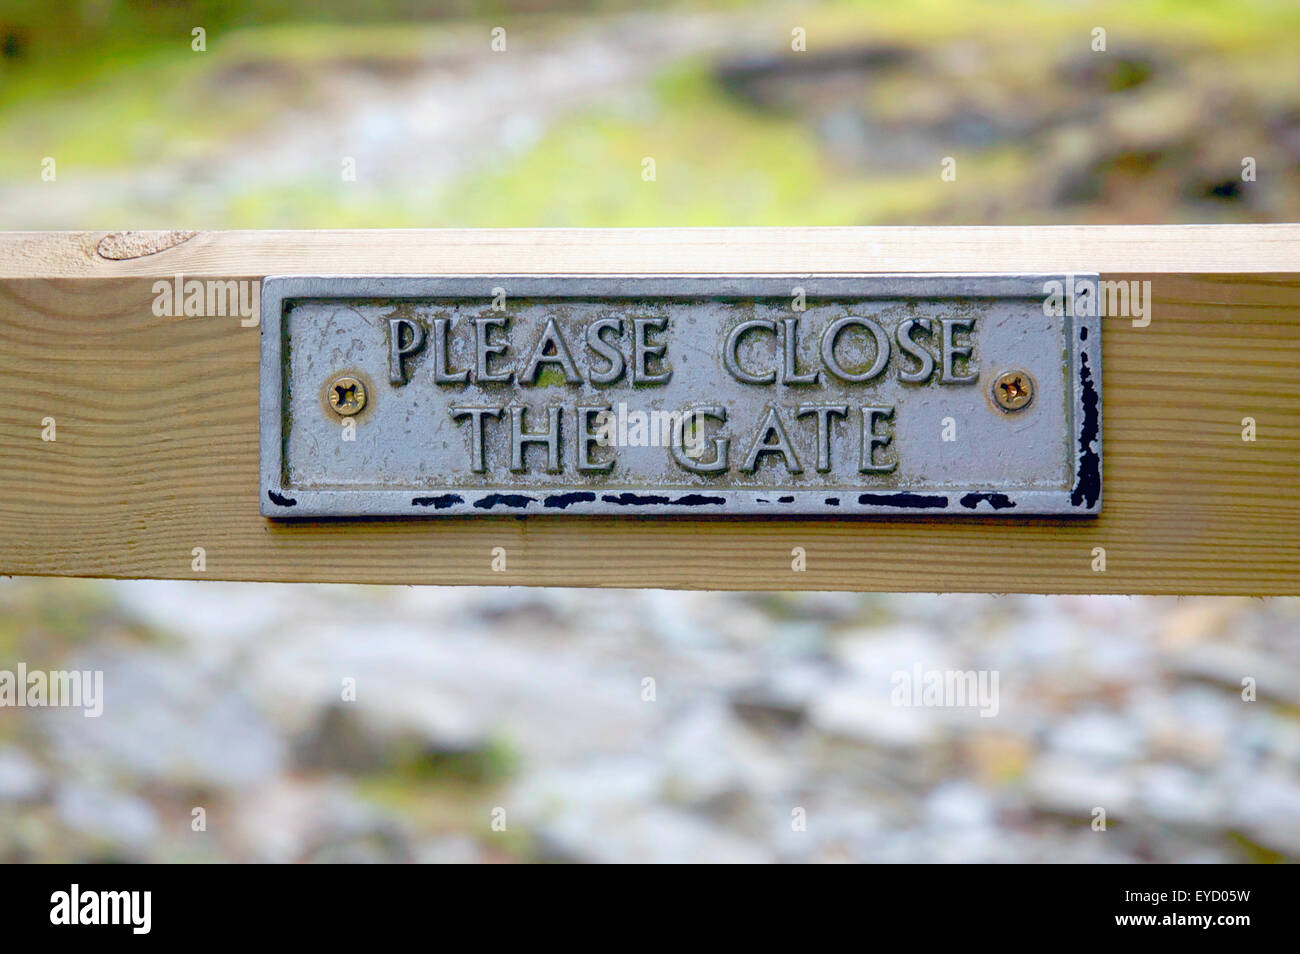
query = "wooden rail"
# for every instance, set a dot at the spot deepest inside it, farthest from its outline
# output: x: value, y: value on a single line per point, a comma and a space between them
x: 156, y: 419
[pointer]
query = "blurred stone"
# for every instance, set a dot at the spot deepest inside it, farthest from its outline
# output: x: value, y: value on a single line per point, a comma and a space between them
x: 1266, y: 737
x: 455, y: 687
x: 1193, y: 725
x: 21, y: 779
x: 167, y: 718
x: 794, y: 640
x: 875, y: 654
x: 1073, y: 788
x: 959, y: 804
x: 376, y: 842
x: 828, y: 606
x: 838, y: 825
x: 846, y: 712
x: 763, y: 707
x: 860, y: 735
x: 626, y: 779
x: 1099, y: 736
x: 711, y: 761
x: 608, y: 812
x: 292, y: 821
x: 1192, y: 622
x: 645, y: 835
x: 356, y: 738
x: 781, y: 699
x: 448, y: 850
x: 106, y: 816
x: 674, y: 624
x: 1179, y: 796
x: 1266, y: 806
x: 1226, y: 666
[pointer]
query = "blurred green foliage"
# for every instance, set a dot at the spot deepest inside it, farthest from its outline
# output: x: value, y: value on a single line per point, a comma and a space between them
x: 111, y: 87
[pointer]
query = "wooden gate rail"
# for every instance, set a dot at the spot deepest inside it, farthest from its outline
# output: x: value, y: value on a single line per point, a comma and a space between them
x: 154, y: 460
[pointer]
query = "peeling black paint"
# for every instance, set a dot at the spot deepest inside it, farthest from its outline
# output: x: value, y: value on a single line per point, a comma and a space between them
x: 700, y: 500
x: 996, y: 501
x: 280, y: 501
x: 633, y: 500
x: 563, y: 500
x: 504, y: 500
x: 645, y: 500
x: 910, y: 500
x: 440, y: 502
x: 1087, y: 487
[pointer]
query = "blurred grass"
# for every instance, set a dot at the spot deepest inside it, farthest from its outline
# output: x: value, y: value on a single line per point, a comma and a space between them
x: 129, y: 93
x: 42, y: 631
x: 128, y: 105
x: 713, y: 163
x: 1242, y: 24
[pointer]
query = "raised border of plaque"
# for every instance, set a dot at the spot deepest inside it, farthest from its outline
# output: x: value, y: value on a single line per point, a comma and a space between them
x: 1080, y: 446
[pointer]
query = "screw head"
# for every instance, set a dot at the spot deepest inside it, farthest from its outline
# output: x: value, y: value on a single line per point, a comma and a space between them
x: 1013, y: 390
x: 347, y: 395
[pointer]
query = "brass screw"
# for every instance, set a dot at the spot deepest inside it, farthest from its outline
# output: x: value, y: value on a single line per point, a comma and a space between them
x: 1013, y: 390
x: 347, y: 395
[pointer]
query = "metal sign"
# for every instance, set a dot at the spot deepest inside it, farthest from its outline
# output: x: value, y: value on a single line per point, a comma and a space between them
x: 857, y: 395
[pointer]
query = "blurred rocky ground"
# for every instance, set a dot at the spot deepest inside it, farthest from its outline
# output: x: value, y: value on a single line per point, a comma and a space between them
x: 768, y: 733
x: 1186, y: 115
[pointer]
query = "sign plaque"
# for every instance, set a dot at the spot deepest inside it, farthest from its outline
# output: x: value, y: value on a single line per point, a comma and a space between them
x: 738, y: 395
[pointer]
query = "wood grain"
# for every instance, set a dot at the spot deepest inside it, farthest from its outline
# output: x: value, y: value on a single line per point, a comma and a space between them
x: 1171, y: 249
x: 157, y: 423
